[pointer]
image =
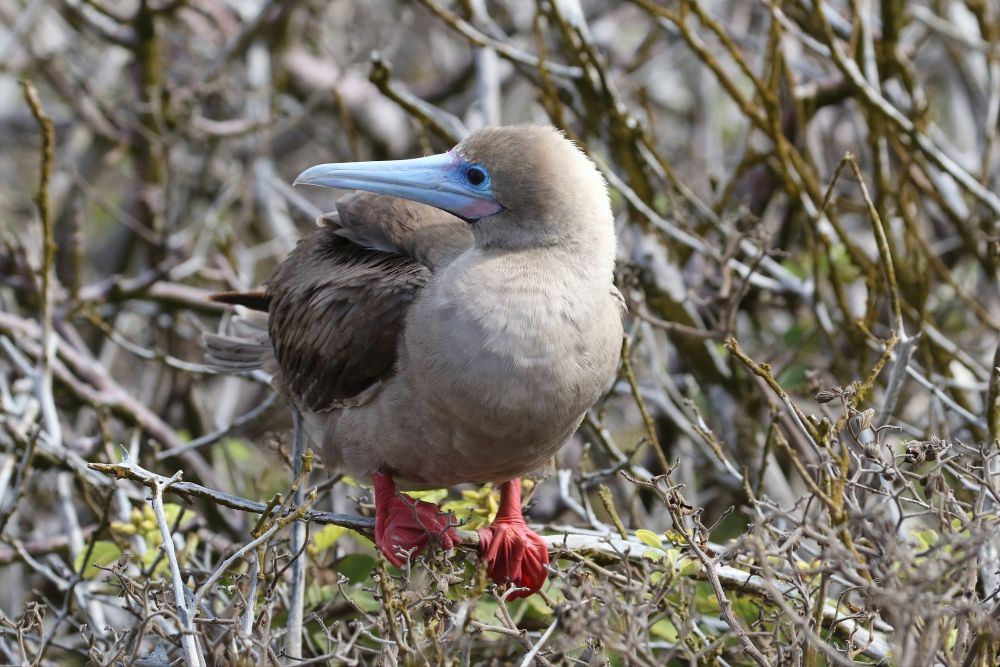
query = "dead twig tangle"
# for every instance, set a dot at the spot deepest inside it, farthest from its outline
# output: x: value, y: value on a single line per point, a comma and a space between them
x: 797, y: 464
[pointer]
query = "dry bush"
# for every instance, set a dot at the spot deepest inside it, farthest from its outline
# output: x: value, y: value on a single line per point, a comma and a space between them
x: 798, y: 461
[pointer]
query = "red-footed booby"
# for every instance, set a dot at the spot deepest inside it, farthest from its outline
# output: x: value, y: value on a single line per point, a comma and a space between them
x: 452, y: 326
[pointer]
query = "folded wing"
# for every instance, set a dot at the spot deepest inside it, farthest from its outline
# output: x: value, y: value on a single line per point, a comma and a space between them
x: 337, y: 304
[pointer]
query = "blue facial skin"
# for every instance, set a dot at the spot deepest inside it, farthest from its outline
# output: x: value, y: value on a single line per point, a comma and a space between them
x: 444, y: 181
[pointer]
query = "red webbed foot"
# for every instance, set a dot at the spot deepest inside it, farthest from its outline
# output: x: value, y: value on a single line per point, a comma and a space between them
x: 512, y: 551
x: 404, y: 526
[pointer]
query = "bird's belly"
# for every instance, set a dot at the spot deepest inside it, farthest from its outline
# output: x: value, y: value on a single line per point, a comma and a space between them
x: 486, y: 397
x: 433, y: 449
x: 502, y: 421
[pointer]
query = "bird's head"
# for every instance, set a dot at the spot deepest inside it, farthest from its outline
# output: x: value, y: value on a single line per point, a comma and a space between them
x: 518, y: 186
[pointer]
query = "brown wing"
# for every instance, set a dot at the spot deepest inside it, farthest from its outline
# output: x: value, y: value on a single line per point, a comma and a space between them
x: 428, y: 235
x: 337, y: 308
x: 335, y: 314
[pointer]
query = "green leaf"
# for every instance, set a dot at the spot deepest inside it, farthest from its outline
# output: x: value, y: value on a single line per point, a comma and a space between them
x: 317, y: 595
x: 237, y: 449
x: 685, y: 566
x: 430, y: 496
x: 356, y: 567
x: 366, y: 601
x: 926, y: 538
x: 152, y: 553
x: 649, y: 538
x: 476, y: 508
x: 688, y: 567
x: 105, y: 553
x: 325, y: 539
x: 538, y: 607
x: 664, y: 629
x: 171, y: 511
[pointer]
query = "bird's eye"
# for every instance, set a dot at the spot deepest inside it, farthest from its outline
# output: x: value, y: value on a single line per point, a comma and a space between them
x: 475, y: 176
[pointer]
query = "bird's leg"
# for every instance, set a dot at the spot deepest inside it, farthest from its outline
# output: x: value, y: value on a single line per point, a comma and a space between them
x: 404, y: 526
x: 513, y: 553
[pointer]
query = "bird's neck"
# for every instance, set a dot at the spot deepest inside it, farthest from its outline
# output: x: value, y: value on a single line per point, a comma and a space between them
x: 583, y: 245
x: 510, y: 237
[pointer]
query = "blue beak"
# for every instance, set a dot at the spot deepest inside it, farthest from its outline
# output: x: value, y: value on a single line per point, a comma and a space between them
x: 441, y: 181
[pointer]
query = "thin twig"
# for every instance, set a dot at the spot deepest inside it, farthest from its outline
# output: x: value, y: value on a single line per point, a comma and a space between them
x: 189, y: 638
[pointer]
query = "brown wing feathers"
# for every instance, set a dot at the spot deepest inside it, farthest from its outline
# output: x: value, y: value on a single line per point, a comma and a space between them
x: 336, y: 312
x: 430, y: 236
x: 337, y: 304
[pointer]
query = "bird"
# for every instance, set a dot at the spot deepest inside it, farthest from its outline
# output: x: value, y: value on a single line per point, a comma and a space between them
x: 450, y: 322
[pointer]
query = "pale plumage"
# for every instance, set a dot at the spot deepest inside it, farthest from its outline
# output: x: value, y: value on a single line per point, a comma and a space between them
x: 441, y: 350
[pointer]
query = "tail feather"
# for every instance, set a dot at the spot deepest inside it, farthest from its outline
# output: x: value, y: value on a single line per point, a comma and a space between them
x: 248, y: 349
x: 258, y: 300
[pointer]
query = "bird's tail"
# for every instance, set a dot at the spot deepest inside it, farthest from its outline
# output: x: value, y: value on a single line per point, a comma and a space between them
x: 259, y: 301
x: 247, y: 349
